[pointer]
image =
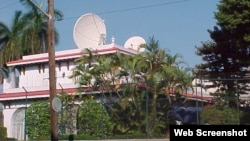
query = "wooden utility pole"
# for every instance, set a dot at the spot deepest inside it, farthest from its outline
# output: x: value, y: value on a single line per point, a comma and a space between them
x: 52, y: 72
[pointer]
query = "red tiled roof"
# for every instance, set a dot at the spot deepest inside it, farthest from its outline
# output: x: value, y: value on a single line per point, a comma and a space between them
x: 11, y: 96
x: 6, y: 96
x: 70, y: 55
x: 194, y: 96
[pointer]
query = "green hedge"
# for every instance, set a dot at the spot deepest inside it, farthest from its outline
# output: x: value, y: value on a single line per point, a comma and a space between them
x: 77, y: 137
x: 69, y: 137
x: 11, y: 139
x: 3, y: 133
x: 126, y: 136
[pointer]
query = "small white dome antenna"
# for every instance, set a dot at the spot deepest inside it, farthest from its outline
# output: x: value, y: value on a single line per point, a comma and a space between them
x: 134, y: 43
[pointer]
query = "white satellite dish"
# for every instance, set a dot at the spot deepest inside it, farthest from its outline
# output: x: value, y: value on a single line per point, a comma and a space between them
x: 134, y: 43
x: 89, y: 31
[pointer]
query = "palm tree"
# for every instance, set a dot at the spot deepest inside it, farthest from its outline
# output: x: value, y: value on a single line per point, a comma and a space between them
x: 106, y: 71
x: 129, y: 112
x: 34, y: 37
x: 155, y: 69
x: 26, y: 35
x: 162, y: 73
x: 88, y: 69
x: 176, y: 79
x: 154, y: 59
x: 11, y: 39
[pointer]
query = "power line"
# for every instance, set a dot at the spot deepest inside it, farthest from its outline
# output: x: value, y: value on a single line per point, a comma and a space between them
x: 9, y: 5
x: 134, y: 8
x: 4, y: 1
x: 144, y: 7
x: 116, y: 11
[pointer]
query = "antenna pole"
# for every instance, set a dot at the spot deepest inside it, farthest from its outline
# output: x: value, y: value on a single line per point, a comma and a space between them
x: 52, y: 78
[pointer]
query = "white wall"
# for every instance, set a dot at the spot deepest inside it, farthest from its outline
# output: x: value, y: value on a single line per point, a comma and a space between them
x: 33, y: 78
x: 8, y: 120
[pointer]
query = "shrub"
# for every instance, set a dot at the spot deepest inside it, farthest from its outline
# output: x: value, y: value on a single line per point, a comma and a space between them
x: 3, y: 133
x: 77, y: 137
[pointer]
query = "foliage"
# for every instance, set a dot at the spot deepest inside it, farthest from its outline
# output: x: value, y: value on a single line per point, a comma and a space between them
x: 35, y: 35
x: 129, y: 116
x: 136, y: 85
x: 72, y: 137
x: 26, y: 35
x: 93, y: 119
x: 38, y: 120
x: 245, y: 120
x: 226, y: 55
x: 10, y: 40
x: 11, y: 139
x: 220, y: 115
x: 3, y: 133
x: 162, y: 76
x: 1, y: 116
x: 68, y: 115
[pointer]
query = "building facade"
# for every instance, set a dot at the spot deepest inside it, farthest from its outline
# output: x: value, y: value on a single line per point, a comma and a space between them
x: 27, y: 81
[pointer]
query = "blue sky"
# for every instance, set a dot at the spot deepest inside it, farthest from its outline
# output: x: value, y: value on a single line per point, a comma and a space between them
x: 178, y: 25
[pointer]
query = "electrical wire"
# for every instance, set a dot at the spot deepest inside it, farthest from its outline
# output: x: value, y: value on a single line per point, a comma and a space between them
x: 9, y: 5
x: 114, y: 11
x: 144, y: 7
x: 134, y: 8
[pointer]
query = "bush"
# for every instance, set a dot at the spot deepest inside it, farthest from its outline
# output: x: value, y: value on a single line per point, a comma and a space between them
x: 3, y: 133
x: 130, y: 136
x: 219, y: 115
x: 77, y: 137
x: 94, y: 120
x: 11, y: 139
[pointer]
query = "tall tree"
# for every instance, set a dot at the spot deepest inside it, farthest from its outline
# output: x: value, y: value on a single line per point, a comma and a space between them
x: 10, y: 38
x: 161, y: 74
x: 26, y: 35
x: 141, y: 106
x: 226, y: 55
x: 34, y: 37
